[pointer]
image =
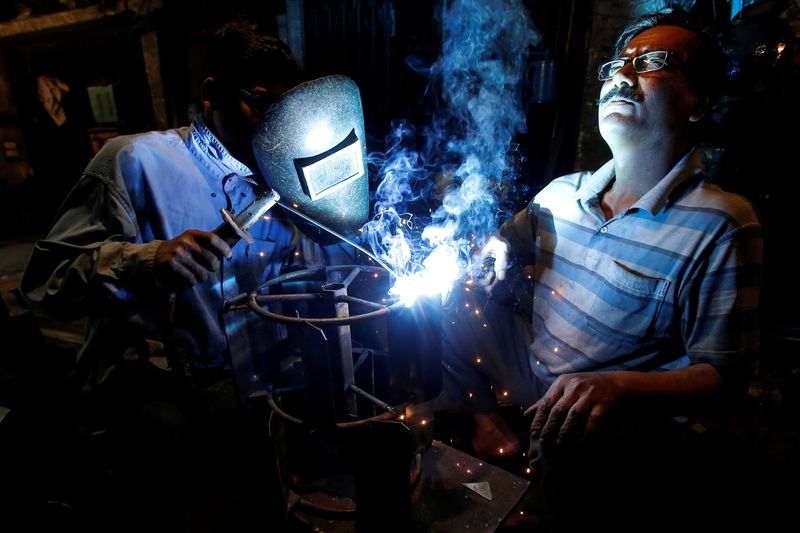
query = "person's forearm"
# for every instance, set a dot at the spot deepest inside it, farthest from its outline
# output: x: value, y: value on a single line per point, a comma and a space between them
x: 692, y: 381
x: 62, y: 278
x: 89, y: 252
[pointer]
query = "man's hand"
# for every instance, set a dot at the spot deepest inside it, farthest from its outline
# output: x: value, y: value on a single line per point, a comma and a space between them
x: 188, y: 258
x: 496, y: 249
x: 574, y: 405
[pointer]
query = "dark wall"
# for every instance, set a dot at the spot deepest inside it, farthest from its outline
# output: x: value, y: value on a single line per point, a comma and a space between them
x: 373, y: 42
x: 555, y: 91
x: 55, y: 153
x: 108, y: 49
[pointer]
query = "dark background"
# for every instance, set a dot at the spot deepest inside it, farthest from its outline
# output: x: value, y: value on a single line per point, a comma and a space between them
x: 151, y: 51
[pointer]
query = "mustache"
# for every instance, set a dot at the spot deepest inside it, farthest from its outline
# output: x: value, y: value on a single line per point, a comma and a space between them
x: 623, y: 91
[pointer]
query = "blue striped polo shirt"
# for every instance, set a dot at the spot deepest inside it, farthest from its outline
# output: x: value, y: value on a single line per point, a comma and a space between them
x: 672, y: 281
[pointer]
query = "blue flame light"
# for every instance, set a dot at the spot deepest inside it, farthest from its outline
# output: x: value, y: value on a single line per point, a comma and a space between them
x: 439, y: 270
x: 460, y: 164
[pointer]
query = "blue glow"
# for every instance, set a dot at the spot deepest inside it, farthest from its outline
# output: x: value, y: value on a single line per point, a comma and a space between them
x: 320, y: 138
x: 461, y: 163
x: 439, y: 267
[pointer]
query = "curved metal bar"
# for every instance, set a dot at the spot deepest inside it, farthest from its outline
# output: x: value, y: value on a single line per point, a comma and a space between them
x: 388, y: 415
x: 281, y: 413
x: 342, y: 321
x: 379, y: 310
x: 240, y: 300
x: 317, y: 270
x: 266, y: 298
x: 306, y: 272
x: 339, y: 425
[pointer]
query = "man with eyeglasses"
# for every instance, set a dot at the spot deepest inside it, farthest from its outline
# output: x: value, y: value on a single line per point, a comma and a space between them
x: 646, y: 274
x: 137, y: 228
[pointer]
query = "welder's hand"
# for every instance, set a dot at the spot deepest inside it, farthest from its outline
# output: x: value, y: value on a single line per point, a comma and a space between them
x: 494, y: 256
x: 188, y: 258
x: 574, y: 405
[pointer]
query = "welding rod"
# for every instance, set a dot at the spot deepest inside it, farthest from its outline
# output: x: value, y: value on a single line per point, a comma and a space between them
x: 367, y: 396
x: 235, y: 227
x: 340, y: 236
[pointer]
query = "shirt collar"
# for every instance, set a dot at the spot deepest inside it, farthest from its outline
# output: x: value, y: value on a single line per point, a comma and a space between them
x: 595, y: 184
x: 654, y: 199
x: 208, y: 144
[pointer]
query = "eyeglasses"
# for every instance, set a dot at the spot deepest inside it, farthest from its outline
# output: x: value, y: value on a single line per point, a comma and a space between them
x: 258, y: 102
x: 647, y: 62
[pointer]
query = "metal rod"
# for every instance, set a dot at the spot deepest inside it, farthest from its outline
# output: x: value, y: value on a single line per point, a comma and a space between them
x: 350, y: 277
x: 265, y: 298
x: 339, y: 236
x: 361, y: 358
x: 281, y: 413
x: 367, y: 396
x: 240, y: 301
x: 389, y: 414
x: 358, y: 301
x: 371, y: 315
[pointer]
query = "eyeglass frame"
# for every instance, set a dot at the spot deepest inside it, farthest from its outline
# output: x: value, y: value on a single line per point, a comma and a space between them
x: 667, y: 61
x: 262, y: 101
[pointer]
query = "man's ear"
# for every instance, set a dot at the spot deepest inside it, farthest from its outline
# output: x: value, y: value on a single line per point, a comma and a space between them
x: 700, y: 108
x: 208, y: 93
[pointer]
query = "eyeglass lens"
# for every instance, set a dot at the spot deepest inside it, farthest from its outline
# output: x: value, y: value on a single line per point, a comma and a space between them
x: 642, y: 63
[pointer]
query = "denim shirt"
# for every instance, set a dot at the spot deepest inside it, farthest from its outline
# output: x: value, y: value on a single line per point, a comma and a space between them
x: 98, y: 258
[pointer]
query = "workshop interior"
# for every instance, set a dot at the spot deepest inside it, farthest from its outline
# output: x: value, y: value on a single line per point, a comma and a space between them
x: 344, y: 446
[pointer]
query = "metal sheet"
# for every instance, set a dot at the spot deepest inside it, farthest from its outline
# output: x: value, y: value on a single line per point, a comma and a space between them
x: 440, y: 501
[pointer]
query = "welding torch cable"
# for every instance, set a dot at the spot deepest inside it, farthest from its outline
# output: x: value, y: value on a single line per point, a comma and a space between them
x: 340, y: 236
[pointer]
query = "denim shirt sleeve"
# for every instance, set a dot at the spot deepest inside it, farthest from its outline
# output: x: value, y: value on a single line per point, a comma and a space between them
x: 93, y: 257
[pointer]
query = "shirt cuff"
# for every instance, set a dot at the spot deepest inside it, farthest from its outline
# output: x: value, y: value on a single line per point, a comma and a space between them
x: 138, y: 261
x: 128, y: 263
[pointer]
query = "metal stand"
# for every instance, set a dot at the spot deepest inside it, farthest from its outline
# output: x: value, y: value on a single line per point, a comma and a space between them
x: 353, y: 452
x: 347, y: 442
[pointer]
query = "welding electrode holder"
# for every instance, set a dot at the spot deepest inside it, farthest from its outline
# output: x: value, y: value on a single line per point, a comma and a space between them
x: 234, y: 227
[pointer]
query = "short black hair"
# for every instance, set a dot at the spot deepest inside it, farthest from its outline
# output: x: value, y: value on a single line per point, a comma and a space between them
x: 706, y: 70
x: 241, y: 54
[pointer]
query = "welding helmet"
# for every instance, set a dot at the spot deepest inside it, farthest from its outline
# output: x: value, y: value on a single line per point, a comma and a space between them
x: 310, y: 148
